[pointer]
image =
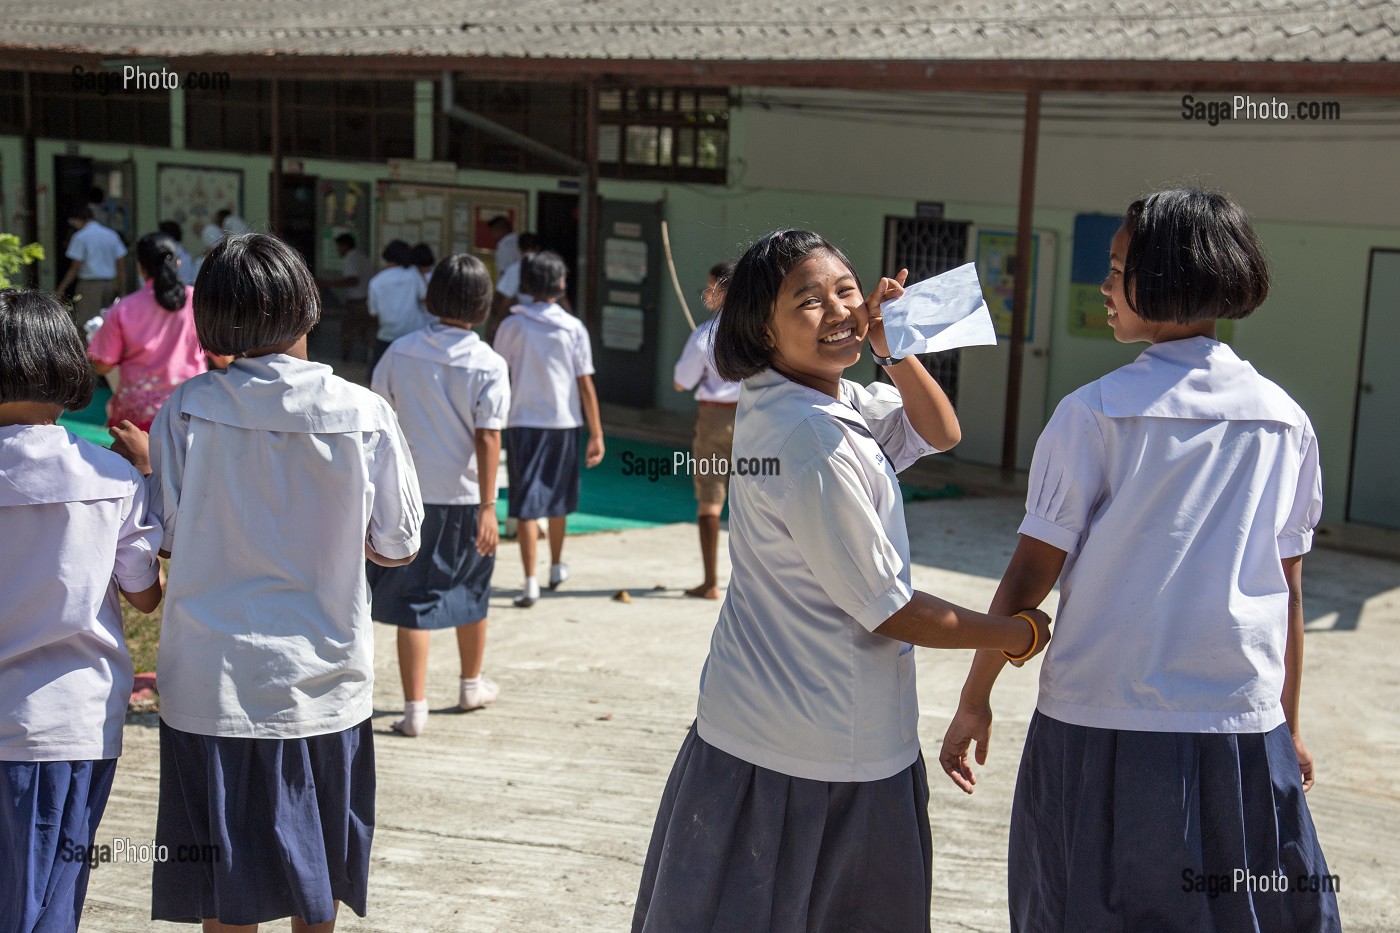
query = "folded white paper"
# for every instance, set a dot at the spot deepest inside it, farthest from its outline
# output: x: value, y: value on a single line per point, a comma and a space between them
x: 940, y: 313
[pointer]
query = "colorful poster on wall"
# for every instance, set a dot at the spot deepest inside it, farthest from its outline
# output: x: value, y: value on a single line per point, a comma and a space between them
x: 344, y: 208
x: 1088, y: 265
x: 190, y: 195
x: 996, y: 268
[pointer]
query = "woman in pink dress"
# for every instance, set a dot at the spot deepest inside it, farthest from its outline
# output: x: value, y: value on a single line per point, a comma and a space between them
x: 149, y: 337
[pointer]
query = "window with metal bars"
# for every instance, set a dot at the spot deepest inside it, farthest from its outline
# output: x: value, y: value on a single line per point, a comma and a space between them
x: 927, y: 248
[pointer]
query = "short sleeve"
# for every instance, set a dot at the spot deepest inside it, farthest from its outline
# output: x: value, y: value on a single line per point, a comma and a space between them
x: 882, y: 407
x: 1067, y: 477
x: 492, y: 402
x: 583, y: 352
x: 118, y: 247
x: 1296, y: 537
x: 168, y: 444
x: 106, y: 344
x: 844, y: 542
x: 397, y: 513
x: 77, y: 248
x: 690, y: 368
x: 381, y: 380
x: 137, y: 565
x: 506, y: 341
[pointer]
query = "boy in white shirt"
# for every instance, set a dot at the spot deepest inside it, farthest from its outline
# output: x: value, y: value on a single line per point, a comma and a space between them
x: 552, y: 395
x: 98, y: 264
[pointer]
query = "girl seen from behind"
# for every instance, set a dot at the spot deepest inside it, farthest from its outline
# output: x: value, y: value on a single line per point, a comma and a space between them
x: 76, y: 533
x: 273, y: 481
x: 1173, y: 500
x: 149, y: 337
x: 451, y: 393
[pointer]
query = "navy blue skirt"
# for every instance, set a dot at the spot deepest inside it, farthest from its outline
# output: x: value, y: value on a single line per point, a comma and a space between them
x: 739, y: 847
x: 446, y: 585
x: 1119, y: 832
x: 260, y: 829
x: 49, y: 811
x: 543, y: 467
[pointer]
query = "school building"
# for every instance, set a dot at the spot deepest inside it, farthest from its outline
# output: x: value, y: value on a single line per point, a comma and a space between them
x: 924, y: 134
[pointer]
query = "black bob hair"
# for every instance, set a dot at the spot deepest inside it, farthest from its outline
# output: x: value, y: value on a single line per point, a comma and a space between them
x: 460, y: 289
x: 540, y: 275
x: 398, y: 253
x: 1192, y: 256
x: 41, y: 355
x: 422, y: 255
x: 722, y: 270
x: 742, y: 347
x: 253, y: 291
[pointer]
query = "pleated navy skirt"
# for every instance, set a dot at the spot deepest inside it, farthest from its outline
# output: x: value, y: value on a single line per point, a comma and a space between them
x: 260, y: 829
x: 49, y: 812
x: 446, y: 585
x: 739, y: 847
x: 1120, y: 832
x: 543, y: 467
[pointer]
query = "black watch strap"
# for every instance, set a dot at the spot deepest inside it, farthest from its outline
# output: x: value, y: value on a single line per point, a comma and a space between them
x: 885, y: 360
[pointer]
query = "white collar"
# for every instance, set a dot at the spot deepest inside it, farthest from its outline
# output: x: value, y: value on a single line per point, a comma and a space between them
x: 1197, y: 378
x: 776, y: 396
x: 545, y: 312
x: 278, y: 392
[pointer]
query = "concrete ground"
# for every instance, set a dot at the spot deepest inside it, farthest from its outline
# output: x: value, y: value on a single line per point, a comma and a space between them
x: 534, y: 815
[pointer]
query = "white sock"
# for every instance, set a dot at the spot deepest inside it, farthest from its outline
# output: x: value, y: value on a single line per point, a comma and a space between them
x: 532, y: 588
x: 471, y: 681
x: 415, y: 717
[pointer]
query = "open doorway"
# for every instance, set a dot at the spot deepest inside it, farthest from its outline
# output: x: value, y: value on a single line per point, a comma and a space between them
x: 556, y: 222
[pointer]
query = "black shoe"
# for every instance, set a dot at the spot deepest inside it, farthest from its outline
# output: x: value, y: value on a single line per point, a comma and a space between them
x: 523, y: 602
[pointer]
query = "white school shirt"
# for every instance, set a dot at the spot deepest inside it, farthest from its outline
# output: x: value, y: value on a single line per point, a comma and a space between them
x: 696, y: 367
x: 797, y: 681
x: 1175, y: 484
x: 269, y: 480
x: 74, y: 529
x: 547, y: 349
x: 509, y: 284
x: 445, y: 383
x: 396, y: 297
x: 357, y: 265
x: 98, y: 248
x: 507, y: 250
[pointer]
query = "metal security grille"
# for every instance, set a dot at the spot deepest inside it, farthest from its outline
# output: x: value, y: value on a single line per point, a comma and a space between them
x: 926, y: 248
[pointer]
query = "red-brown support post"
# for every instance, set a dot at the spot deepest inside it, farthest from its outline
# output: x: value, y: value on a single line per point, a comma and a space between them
x: 1020, y: 311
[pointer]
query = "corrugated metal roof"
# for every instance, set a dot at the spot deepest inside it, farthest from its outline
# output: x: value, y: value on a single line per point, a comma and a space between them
x: 718, y: 30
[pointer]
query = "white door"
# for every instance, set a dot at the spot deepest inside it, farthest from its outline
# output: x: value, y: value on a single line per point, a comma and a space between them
x: 982, y: 371
x: 1375, y: 459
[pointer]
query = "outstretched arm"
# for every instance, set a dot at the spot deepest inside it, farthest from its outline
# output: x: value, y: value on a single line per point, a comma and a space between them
x: 1028, y: 579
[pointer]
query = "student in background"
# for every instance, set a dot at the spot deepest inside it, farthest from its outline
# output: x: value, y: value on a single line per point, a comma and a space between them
x: 98, y: 264
x: 396, y: 296
x: 507, y: 242
x: 552, y: 396
x: 508, y: 292
x: 187, y: 268
x: 149, y: 337
x: 356, y: 269
x: 718, y: 400
x: 76, y: 534
x: 451, y: 393
x: 266, y: 650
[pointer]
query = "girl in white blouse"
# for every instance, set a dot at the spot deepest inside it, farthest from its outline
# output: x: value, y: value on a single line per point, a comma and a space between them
x: 799, y: 800
x: 1161, y: 786
x: 75, y: 533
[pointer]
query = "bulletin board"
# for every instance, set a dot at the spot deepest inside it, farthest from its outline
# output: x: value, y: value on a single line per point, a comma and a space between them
x: 1087, y: 268
x: 449, y: 219
x: 190, y: 195
x: 996, y: 258
x: 344, y: 208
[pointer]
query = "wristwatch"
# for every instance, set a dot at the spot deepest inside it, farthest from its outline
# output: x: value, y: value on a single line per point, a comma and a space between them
x: 885, y: 360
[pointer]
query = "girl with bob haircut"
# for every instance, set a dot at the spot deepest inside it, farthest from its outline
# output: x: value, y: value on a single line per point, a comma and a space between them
x: 149, y: 337
x: 451, y: 393
x: 1173, y: 500
x: 799, y: 799
x: 75, y: 535
x: 273, y: 482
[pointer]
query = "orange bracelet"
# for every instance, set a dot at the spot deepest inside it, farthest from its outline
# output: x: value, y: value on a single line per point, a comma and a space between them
x: 1035, y: 641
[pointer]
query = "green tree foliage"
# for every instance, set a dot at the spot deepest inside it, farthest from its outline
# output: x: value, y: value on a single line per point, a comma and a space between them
x: 14, y: 256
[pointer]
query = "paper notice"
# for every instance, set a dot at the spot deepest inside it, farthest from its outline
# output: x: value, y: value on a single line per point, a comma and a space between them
x: 940, y: 313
